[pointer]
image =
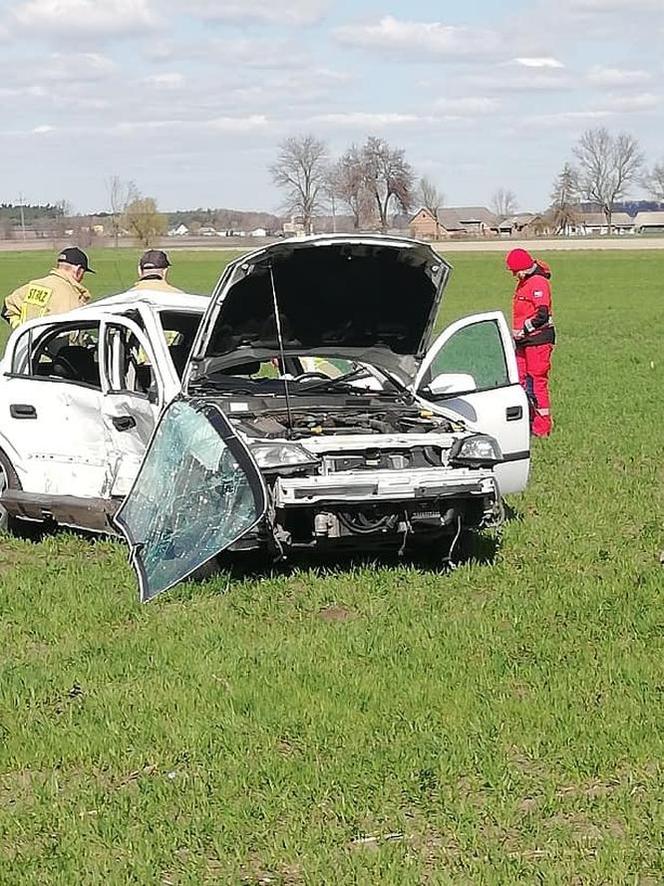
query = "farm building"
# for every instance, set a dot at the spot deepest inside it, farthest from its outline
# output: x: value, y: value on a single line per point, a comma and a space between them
x: 523, y: 224
x: 470, y: 221
x: 595, y: 223
x: 649, y: 223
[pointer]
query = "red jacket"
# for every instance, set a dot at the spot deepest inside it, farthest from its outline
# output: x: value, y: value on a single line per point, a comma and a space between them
x: 532, y: 320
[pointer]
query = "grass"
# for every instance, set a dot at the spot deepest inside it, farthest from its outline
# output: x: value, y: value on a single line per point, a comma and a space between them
x: 370, y: 723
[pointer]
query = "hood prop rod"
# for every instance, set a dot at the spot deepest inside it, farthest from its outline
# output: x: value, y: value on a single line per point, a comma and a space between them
x: 282, y: 355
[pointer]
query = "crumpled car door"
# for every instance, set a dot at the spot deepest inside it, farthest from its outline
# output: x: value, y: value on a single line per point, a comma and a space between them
x: 198, y: 492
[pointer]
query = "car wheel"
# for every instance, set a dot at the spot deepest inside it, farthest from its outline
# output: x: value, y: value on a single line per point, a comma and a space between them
x: 8, y: 480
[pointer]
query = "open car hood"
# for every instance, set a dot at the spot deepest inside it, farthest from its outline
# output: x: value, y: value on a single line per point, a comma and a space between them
x: 365, y: 298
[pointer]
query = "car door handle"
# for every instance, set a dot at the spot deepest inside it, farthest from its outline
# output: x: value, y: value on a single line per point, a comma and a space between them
x: 123, y: 422
x: 514, y: 413
x: 22, y: 410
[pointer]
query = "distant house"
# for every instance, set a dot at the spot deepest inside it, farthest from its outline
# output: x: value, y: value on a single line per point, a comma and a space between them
x: 180, y: 231
x: 525, y: 224
x: 258, y: 232
x: 649, y: 223
x: 294, y: 227
x: 514, y: 224
x: 459, y: 221
x: 594, y: 223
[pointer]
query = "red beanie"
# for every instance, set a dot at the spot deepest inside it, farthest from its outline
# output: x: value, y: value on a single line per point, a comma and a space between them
x: 519, y: 260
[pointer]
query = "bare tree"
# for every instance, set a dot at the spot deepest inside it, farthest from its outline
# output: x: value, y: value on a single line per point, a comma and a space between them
x: 351, y: 186
x: 389, y: 178
x: 144, y: 221
x: 564, y: 199
x: 120, y: 194
x: 608, y: 166
x: 504, y: 203
x: 653, y: 182
x: 301, y: 171
x: 431, y: 198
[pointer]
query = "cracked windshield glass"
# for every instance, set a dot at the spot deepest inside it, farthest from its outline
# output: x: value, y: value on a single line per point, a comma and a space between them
x: 191, y: 500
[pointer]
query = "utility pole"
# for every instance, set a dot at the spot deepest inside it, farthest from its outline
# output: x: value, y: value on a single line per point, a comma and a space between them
x: 334, y: 213
x: 22, y: 208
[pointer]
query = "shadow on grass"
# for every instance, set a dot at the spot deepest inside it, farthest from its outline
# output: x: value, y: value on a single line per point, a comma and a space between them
x: 480, y: 548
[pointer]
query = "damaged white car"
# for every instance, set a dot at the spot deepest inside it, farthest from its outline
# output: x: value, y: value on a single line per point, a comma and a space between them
x: 314, y: 412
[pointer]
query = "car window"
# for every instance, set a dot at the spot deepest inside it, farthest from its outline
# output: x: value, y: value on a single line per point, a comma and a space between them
x: 67, y: 353
x: 477, y: 350
x: 128, y: 366
x: 180, y: 328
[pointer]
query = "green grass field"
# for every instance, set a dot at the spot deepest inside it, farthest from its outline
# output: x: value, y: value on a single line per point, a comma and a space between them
x: 372, y: 723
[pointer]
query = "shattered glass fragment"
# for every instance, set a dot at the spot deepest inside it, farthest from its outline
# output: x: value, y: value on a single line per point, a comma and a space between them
x: 198, y: 491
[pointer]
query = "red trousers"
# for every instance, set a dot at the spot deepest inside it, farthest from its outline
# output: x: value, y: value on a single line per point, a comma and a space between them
x: 534, y: 363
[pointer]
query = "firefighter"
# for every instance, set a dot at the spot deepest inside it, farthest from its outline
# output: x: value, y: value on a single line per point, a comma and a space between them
x: 153, y: 272
x: 61, y: 290
x: 534, y: 333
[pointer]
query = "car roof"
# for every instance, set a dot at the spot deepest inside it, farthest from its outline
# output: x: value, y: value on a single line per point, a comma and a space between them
x: 158, y: 300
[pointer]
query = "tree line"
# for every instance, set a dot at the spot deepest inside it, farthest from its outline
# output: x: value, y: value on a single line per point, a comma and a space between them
x: 374, y: 180
x: 605, y: 168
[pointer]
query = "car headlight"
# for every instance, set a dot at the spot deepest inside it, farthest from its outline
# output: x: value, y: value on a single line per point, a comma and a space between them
x: 478, y: 451
x: 281, y: 455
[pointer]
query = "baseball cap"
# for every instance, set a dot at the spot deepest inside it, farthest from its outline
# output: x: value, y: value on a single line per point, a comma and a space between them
x: 154, y: 259
x: 75, y: 256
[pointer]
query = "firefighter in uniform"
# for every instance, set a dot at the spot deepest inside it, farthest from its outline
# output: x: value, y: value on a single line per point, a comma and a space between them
x: 534, y: 333
x: 61, y: 290
x: 153, y: 272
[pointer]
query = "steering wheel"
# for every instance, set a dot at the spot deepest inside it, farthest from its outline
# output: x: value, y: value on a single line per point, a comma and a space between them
x: 72, y: 371
x: 313, y: 374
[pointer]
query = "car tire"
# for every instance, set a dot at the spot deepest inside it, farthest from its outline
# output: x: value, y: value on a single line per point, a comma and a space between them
x: 8, y: 480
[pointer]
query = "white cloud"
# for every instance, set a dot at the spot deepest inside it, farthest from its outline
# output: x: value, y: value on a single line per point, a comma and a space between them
x: 230, y: 125
x: 508, y: 79
x: 284, y: 12
x: 611, y: 6
x: 415, y: 39
x: 369, y: 120
x: 634, y: 104
x: 472, y: 106
x: 239, y: 124
x: 569, y: 118
x: 616, y: 78
x: 43, y: 130
x: 260, y: 54
x: 91, y: 18
x: 73, y: 67
x: 170, y: 80
x: 539, y: 62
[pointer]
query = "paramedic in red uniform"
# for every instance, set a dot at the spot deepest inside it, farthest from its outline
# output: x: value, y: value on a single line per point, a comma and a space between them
x: 534, y: 332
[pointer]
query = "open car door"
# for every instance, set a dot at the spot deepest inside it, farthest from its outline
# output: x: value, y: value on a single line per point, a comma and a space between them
x: 133, y: 391
x: 198, y: 492
x: 470, y: 373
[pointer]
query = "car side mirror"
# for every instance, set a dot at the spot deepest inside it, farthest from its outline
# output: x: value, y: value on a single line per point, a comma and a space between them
x: 450, y: 383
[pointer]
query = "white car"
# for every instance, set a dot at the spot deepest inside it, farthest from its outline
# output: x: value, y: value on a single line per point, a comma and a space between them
x: 309, y: 410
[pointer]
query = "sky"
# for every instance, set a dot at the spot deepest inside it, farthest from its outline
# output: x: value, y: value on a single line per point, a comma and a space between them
x: 190, y: 98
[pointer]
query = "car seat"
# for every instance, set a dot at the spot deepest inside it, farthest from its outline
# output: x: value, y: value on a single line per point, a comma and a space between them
x: 76, y: 363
